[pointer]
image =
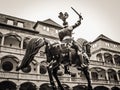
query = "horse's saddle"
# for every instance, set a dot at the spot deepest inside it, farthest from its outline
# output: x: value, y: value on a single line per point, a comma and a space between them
x: 63, y: 47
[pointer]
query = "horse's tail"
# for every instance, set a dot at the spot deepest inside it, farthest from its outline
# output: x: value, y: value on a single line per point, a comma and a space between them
x: 32, y: 49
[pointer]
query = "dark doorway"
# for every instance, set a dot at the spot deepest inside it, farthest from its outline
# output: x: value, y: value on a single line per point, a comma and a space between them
x: 45, y: 86
x: 79, y: 87
x: 115, y: 88
x: 28, y: 86
x: 7, y: 85
x: 101, y: 88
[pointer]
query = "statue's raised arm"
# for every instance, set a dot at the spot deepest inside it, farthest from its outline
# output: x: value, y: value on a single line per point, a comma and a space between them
x: 79, y: 21
x: 65, y: 33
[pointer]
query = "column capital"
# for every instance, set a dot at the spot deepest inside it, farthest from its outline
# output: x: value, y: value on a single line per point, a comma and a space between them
x: 17, y: 87
x: 37, y: 87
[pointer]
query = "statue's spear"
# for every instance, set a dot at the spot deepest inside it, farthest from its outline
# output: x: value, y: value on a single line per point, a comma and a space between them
x: 77, y: 13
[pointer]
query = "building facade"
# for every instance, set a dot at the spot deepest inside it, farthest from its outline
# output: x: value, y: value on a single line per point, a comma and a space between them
x: 15, y: 34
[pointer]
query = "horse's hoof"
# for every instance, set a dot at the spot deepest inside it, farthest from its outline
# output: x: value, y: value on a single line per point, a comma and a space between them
x: 17, y: 68
x: 60, y: 88
x: 89, y: 88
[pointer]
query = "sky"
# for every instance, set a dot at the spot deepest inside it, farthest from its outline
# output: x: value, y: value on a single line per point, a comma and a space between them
x: 99, y: 16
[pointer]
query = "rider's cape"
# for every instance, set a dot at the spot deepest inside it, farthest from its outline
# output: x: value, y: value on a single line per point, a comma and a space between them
x: 32, y: 49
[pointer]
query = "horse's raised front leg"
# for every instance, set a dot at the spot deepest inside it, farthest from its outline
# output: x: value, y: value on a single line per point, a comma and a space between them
x: 51, y: 79
x: 57, y: 79
x: 87, y: 75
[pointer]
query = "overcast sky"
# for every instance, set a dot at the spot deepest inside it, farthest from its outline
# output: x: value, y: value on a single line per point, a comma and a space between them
x: 100, y: 16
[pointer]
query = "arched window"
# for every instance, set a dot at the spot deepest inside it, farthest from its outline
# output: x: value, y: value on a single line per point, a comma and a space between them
x: 99, y: 57
x: 98, y: 73
x: 115, y: 88
x: 79, y: 87
x: 94, y: 75
x: 101, y: 88
x: 9, y: 63
x: 108, y: 58
x: 28, y: 86
x: 45, y: 86
x: 43, y: 69
x: 12, y: 40
x: 112, y: 76
x: 117, y: 60
x: 7, y: 85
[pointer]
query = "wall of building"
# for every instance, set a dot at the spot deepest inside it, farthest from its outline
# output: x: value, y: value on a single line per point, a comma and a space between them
x: 103, y: 75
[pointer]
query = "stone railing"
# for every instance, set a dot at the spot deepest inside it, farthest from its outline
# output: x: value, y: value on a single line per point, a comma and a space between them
x: 37, y: 77
x: 93, y: 62
x: 18, y: 51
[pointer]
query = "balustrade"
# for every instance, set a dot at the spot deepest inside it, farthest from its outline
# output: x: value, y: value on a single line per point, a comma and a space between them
x: 36, y: 77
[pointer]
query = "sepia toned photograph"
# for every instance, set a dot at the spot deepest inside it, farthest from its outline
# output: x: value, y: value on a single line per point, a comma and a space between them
x: 59, y: 45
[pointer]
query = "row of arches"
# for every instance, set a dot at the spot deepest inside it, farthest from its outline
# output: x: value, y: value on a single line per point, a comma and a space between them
x: 9, y: 63
x: 109, y: 75
x: 108, y: 58
x: 9, y: 85
x: 14, y: 40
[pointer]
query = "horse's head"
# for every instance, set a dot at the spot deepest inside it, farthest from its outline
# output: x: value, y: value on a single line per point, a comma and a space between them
x: 46, y: 42
x: 87, y: 48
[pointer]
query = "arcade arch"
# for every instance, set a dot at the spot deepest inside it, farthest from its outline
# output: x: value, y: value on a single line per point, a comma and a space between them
x: 98, y: 73
x: 112, y: 76
x: 9, y: 63
x: 7, y: 85
x: 28, y: 86
x: 12, y: 40
x: 101, y: 88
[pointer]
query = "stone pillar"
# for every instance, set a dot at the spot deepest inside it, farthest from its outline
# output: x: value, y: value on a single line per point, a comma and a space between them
x: 18, y: 87
x: 103, y: 59
x: 118, y: 77
x: 38, y: 68
x: 3, y: 39
x: 90, y: 76
x: 71, y: 88
x: 21, y: 45
x: 107, y: 77
x: 37, y: 88
x: 113, y: 60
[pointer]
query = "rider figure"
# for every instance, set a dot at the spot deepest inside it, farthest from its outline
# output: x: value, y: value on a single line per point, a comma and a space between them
x: 65, y: 34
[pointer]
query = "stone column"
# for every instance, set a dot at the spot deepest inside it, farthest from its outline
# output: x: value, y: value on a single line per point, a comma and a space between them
x: 113, y: 60
x: 103, y: 59
x: 38, y: 68
x: 107, y: 77
x: 21, y: 45
x: 3, y: 39
x: 90, y: 76
x: 37, y: 88
x: 118, y: 77
x: 71, y: 88
x: 18, y: 87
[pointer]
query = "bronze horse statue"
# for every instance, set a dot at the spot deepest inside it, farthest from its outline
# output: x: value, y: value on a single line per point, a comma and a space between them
x: 57, y: 54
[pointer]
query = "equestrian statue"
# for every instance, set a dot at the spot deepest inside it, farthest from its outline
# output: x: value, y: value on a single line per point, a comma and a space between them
x: 67, y: 52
